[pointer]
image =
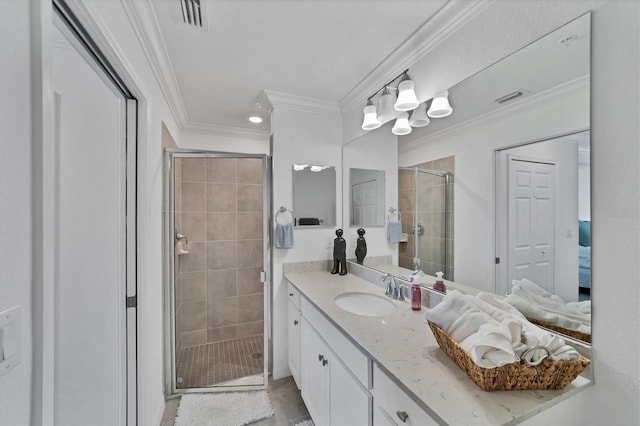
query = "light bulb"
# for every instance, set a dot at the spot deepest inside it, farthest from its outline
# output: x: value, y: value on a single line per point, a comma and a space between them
x: 407, y: 99
x: 440, y: 107
x: 419, y: 116
x: 370, y: 120
x: 386, y: 112
x: 402, y: 126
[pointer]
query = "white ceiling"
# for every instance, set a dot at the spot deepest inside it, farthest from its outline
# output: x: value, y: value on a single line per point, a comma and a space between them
x: 311, y: 48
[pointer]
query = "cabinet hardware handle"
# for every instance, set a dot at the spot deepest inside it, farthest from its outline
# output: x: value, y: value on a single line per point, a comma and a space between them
x: 290, y: 294
x: 320, y: 357
x: 295, y: 322
x: 402, y: 415
x: 324, y: 362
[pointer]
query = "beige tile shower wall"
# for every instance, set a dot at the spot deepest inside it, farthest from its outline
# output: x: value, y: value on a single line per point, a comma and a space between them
x: 222, y: 296
x: 435, y: 215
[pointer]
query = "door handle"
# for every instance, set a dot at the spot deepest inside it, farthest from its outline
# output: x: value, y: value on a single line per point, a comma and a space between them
x: 402, y: 415
x: 295, y: 322
x: 324, y: 362
x: 320, y: 357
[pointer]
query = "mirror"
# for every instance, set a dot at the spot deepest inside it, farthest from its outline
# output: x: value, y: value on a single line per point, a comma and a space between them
x: 367, y: 197
x: 537, y: 96
x: 314, y: 196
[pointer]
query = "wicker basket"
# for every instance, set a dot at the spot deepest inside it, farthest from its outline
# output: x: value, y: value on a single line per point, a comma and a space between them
x: 567, y: 331
x: 516, y: 376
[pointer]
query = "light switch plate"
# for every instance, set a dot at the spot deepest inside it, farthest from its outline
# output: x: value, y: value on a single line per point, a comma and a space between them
x: 10, y: 339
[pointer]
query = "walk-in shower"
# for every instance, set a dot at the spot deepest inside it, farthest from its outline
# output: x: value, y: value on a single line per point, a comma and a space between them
x: 217, y: 258
x: 426, y: 205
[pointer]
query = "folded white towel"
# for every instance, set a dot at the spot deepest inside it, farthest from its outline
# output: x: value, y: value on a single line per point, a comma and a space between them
x: 493, y: 332
x: 536, y: 303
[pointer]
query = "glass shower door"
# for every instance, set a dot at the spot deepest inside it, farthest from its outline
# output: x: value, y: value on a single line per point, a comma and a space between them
x: 217, y: 250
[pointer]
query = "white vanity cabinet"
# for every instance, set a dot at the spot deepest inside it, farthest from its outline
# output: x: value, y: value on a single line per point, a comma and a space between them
x: 294, y: 327
x: 392, y: 406
x: 333, y: 393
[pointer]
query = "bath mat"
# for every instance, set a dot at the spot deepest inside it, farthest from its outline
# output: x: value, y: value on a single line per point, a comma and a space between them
x: 228, y: 408
x: 305, y: 423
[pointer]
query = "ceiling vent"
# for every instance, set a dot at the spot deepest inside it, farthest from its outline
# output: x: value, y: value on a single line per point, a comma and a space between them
x: 510, y: 96
x: 193, y: 13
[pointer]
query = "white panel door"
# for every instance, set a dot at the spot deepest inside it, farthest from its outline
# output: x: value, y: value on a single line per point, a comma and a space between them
x: 531, y: 222
x: 364, y: 202
x: 90, y: 363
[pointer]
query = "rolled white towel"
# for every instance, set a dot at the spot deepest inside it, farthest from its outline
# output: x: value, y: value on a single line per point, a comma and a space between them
x: 493, y: 344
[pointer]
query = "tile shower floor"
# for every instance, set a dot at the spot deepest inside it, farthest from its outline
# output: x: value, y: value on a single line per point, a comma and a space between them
x: 214, y: 363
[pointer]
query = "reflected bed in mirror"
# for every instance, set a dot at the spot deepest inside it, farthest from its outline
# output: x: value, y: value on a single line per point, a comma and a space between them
x: 314, y: 195
x: 549, y: 81
x: 367, y: 197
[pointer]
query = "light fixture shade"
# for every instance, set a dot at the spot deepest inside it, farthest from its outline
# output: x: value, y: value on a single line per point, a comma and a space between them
x: 407, y: 99
x: 402, y: 126
x: 370, y: 120
x: 419, y: 116
x: 386, y: 112
x: 440, y: 107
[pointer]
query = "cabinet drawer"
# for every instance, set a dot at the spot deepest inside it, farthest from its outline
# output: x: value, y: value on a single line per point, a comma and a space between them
x: 294, y: 295
x: 392, y: 406
x: 358, y: 363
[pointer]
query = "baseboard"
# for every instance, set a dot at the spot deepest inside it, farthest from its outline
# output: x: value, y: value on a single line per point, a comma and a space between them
x: 279, y: 374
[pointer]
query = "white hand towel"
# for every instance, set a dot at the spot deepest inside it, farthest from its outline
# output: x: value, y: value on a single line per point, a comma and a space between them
x: 394, y: 232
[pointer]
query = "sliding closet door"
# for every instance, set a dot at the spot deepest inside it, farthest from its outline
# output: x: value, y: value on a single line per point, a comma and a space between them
x: 91, y: 268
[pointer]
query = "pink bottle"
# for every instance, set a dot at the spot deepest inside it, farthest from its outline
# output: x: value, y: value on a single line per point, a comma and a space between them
x: 439, y: 284
x: 416, y: 297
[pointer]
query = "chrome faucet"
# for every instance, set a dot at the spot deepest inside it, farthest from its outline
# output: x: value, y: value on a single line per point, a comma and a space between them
x: 389, y: 280
x: 400, y: 292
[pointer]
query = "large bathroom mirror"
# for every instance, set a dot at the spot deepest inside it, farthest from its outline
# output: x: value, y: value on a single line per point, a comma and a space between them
x: 512, y: 123
x: 314, y: 196
x: 366, y: 204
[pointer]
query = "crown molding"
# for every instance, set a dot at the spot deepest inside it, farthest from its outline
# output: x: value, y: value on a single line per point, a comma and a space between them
x: 445, y: 22
x: 227, y: 131
x: 300, y: 103
x: 145, y: 25
x: 528, y: 104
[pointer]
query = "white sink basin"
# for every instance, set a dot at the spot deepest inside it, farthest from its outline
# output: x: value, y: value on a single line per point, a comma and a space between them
x: 366, y: 304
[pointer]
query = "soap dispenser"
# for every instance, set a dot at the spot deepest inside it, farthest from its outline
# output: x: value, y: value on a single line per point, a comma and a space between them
x: 439, y: 284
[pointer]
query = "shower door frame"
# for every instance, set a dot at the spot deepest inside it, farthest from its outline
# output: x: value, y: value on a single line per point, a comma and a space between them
x: 171, y: 390
x: 447, y: 180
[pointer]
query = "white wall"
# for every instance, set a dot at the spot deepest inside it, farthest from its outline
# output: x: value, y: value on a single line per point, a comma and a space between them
x: 615, y: 397
x: 377, y: 150
x: 474, y: 149
x: 299, y: 137
x: 209, y: 141
x: 15, y: 201
x: 109, y: 25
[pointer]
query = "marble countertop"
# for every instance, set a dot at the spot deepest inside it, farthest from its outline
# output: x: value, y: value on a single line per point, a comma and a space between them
x: 404, y: 347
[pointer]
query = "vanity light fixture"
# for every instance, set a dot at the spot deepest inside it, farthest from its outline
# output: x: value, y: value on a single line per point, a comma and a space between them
x: 402, y: 126
x: 440, y: 106
x: 397, y: 102
x: 371, y: 120
x: 419, y: 116
x: 407, y: 99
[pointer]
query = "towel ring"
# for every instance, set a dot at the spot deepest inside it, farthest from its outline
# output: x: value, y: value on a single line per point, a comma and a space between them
x: 283, y: 210
x: 392, y: 211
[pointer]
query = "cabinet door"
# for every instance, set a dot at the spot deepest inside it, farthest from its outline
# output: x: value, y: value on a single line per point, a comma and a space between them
x: 315, y: 371
x: 350, y: 402
x: 294, y: 342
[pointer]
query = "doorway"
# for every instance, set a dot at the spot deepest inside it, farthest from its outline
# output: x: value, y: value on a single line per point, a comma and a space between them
x: 217, y: 257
